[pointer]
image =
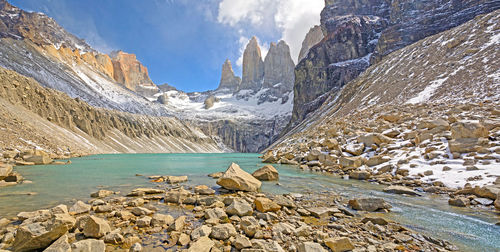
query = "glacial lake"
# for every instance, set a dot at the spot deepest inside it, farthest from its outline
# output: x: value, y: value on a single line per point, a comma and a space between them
x: 469, y: 229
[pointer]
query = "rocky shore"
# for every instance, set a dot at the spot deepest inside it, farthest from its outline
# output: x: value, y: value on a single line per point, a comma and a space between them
x: 234, y: 217
x: 432, y: 148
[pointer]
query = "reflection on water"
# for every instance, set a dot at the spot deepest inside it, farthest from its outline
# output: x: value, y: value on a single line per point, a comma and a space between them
x: 468, y: 228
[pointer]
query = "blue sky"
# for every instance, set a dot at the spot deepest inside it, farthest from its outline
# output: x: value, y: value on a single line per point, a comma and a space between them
x: 182, y: 42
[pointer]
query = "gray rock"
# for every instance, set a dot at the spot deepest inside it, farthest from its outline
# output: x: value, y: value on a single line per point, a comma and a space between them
x: 223, y: 231
x: 239, y: 207
x: 89, y: 245
x: 96, y: 227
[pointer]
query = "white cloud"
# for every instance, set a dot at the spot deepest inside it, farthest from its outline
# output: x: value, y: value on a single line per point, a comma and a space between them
x: 291, y: 18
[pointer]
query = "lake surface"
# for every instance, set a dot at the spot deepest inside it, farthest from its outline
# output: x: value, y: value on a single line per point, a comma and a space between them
x: 469, y: 229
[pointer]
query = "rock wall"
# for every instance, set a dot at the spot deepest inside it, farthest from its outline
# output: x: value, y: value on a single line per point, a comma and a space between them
x: 362, y: 32
x: 313, y: 37
x: 279, y: 68
x: 228, y: 80
x: 129, y: 72
x: 253, y: 66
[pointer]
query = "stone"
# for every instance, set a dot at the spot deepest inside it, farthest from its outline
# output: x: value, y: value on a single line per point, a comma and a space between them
x: 242, y: 242
x: 285, y: 201
x: 395, y: 189
x: 204, y: 190
x: 313, y: 37
x: 323, y: 212
x: 253, y: 66
x: 141, y: 211
x: 216, y: 175
x: 369, y: 204
x: 341, y: 244
x: 143, y: 222
x: 497, y: 202
x: 239, y: 207
x: 354, y: 149
x: 375, y: 220
x: 60, y: 245
x: 129, y: 72
x: 376, y: 160
x: 204, y: 244
x: 136, y: 247
x: 459, y: 202
x: 89, y: 245
x: 96, y: 227
x: 124, y: 215
x: 236, y: 179
x: 250, y: 225
x: 311, y: 247
x: 373, y: 138
x: 266, y: 205
x: 468, y: 129
x: 200, y: 232
x: 215, y: 213
x: 80, y: 207
x: 5, y: 170
x: 223, y: 231
x: 161, y: 219
x: 103, y: 209
x: 183, y: 240
x: 101, y: 194
x: 176, y: 179
x: 228, y: 79
x: 360, y: 175
x: 266, y: 173
x: 38, y: 159
x: 144, y: 191
x: 178, y: 224
x: 177, y: 195
x: 39, y: 235
x: 210, y: 101
x: 464, y: 145
x: 353, y: 162
x: 114, y: 237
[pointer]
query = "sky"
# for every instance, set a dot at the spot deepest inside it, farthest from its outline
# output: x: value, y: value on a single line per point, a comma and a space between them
x: 183, y: 42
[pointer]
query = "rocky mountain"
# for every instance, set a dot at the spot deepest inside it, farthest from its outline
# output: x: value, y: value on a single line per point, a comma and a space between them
x: 360, y: 33
x: 313, y: 37
x: 228, y: 80
x: 253, y: 66
x: 128, y: 71
x: 279, y: 68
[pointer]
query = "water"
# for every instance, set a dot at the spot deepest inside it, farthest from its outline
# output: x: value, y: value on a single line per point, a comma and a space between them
x: 469, y: 229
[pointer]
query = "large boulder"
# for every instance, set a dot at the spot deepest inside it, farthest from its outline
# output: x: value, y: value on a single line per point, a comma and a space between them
x: 79, y: 207
x: 204, y: 244
x: 42, y: 159
x: 464, y: 145
x: 373, y: 138
x: 468, y: 129
x: 60, y: 245
x: 237, y: 179
x: 353, y: 162
x: 89, y: 245
x: 5, y: 170
x: 311, y: 247
x: 266, y: 205
x: 223, y: 231
x: 369, y: 204
x: 339, y: 244
x: 239, y: 207
x: 96, y: 227
x: 266, y: 173
x: 38, y: 235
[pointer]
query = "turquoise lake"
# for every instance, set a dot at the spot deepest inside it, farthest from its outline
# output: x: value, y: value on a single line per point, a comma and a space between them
x: 469, y: 229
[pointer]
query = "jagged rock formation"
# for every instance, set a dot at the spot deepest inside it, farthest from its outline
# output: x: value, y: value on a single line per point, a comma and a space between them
x: 129, y: 72
x: 36, y: 116
x: 313, y: 37
x: 228, y: 80
x: 279, y: 68
x: 253, y: 66
x: 361, y: 32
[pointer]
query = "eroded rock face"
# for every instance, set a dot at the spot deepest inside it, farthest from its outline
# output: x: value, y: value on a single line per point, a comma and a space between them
x: 313, y: 37
x: 253, y: 66
x: 279, y: 68
x: 228, y: 80
x: 129, y: 72
x: 360, y: 33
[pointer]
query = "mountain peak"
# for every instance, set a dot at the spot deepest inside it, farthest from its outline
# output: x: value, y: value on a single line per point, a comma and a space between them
x: 228, y: 80
x: 253, y: 66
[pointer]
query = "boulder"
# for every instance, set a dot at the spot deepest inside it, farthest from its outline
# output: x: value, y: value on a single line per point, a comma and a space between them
x: 204, y: 244
x: 89, y: 245
x: 242, y: 242
x: 215, y: 213
x: 38, y: 159
x: 200, y: 232
x: 141, y: 211
x: 161, y: 219
x: 395, y: 189
x: 266, y: 205
x: 249, y: 225
x: 459, y: 202
x: 464, y: 145
x: 216, y: 175
x: 38, y: 235
x: 114, y: 237
x: 236, y: 179
x: 497, y: 202
x: 369, y: 204
x: 5, y: 170
x: 322, y: 212
x: 60, y: 245
x: 176, y: 179
x: 353, y: 162
x: 178, y: 195
x: 354, y: 149
x: 223, y: 231
x: 204, y: 190
x: 101, y: 194
x: 376, y: 160
x: 311, y: 247
x: 178, y: 224
x: 143, y: 222
x: 360, y: 175
x: 373, y: 138
x: 96, y: 227
x: 266, y: 173
x: 339, y: 244
x: 468, y: 129
x: 239, y: 207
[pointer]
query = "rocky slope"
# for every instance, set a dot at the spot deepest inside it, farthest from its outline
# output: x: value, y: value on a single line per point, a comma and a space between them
x: 425, y: 116
x: 38, y: 117
x: 128, y: 71
x: 360, y: 33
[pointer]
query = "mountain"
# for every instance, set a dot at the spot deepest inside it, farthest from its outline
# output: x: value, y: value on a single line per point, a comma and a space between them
x: 228, y: 80
x: 313, y: 37
x: 360, y: 33
x: 427, y: 114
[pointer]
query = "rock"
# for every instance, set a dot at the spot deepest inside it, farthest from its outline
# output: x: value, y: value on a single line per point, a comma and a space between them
x: 353, y: 162
x: 163, y: 98
x: 114, y: 237
x: 136, y: 247
x: 178, y: 224
x: 459, y: 202
x: 183, y: 240
x: 204, y: 190
x: 354, y: 149
x: 497, y: 202
x: 266, y: 173
x: 38, y: 159
x: 373, y: 138
x: 5, y: 170
x: 216, y: 175
x: 200, y: 232
x: 143, y: 222
x: 223, y: 231
x: 253, y: 66
x: 313, y: 37
x: 369, y: 204
x: 144, y: 191
x: 311, y: 247
x: 464, y: 145
x: 266, y: 205
x: 339, y: 244
x: 39, y: 235
x: 468, y: 129
x: 103, y: 209
x: 204, y: 244
x: 89, y: 245
x: 360, y: 175
x: 228, y: 79
x: 210, y: 101
x: 124, y: 215
x: 96, y: 227
x: 284, y: 201
x: 60, y: 245
x: 215, y: 213
x: 375, y: 220
x: 129, y: 72
x: 13, y: 177
x: 141, y: 211
x: 236, y: 179
x: 176, y: 179
x: 177, y: 195
x: 323, y: 212
x: 483, y: 201
x: 101, y: 194
x: 400, y: 190
x: 161, y: 219
x: 279, y: 68
x: 239, y: 207
x: 376, y: 160
x: 242, y: 242
x: 249, y: 225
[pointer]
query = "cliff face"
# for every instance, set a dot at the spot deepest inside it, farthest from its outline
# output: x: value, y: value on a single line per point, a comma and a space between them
x: 279, y: 68
x: 128, y: 71
x: 228, y: 80
x: 313, y: 37
x: 362, y: 32
x: 253, y: 66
